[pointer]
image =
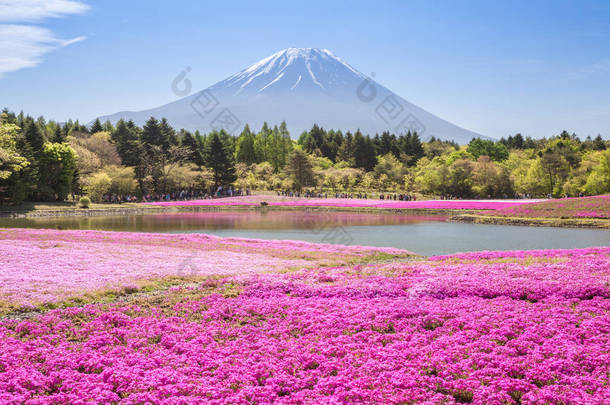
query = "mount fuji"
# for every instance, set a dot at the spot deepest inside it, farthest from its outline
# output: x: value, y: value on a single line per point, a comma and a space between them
x: 301, y: 86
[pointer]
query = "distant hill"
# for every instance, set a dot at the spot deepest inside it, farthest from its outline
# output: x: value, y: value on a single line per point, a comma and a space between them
x: 301, y: 86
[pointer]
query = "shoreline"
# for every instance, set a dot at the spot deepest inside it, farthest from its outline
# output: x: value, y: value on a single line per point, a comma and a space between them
x: 536, y: 222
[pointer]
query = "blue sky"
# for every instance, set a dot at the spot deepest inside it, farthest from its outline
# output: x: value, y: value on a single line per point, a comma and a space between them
x: 495, y: 67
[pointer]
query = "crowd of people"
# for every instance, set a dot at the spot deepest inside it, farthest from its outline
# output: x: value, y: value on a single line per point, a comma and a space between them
x: 313, y: 194
x: 181, y: 195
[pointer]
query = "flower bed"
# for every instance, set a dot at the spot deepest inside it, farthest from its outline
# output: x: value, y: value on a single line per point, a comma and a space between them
x: 586, y: 207
x: 484, y: 328
x: 279, y: 201
x: 46, y: 266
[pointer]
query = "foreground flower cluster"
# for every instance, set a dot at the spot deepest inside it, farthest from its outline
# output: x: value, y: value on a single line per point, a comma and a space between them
x: 586, y: 207
x: 484, y: 328
x: 46, y: 266
x: 279, y: 201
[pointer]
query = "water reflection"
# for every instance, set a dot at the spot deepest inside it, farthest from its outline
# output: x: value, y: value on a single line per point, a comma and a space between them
x: 220, y: 220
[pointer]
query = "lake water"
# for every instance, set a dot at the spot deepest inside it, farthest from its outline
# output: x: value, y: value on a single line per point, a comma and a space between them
x: 426, y: 235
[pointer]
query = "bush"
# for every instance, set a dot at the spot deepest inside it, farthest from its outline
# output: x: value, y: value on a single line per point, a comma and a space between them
x: 84, y: 202
x: 98, y: 185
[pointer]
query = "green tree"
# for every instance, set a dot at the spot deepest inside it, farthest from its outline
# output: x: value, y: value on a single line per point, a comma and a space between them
x: 152, y: 135
x: 96, y: 126
x: 432, y: 176
x: 33, y: 137
x: 97, y: 186
x: 127, y: 141
x: 194, y: 147
x: 598, y: 181
x: 300, y: 169
x: 58, y: 135
x: 496, y: 151
x: 555, y: 167
x: 219, y: 159
x: 122, y: 179
x: 460, y: 178
x: 244, y: 150
x: 277, y: 150
x: 168, y: 134
x: 108, y: 127
x: 261, y: 143
x: 57, y: 167
x: 364, y: 152
x: 346, y: 150
x: 392, y: 168
x: 12, y: 165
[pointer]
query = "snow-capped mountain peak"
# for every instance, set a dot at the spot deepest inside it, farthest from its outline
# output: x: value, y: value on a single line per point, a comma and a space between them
x: 293, y: 69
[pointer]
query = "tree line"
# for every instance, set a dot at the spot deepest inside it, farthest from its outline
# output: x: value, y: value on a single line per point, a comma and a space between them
x: 48, y: 161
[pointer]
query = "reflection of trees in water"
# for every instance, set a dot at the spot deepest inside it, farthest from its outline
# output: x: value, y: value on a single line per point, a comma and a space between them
x: 218, y: 220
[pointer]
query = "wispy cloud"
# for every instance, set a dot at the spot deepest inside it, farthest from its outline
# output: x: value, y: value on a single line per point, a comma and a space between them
x: 23, y: 46
x: 35, y: 10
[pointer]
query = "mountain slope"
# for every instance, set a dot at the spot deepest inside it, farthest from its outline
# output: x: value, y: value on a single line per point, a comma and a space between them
x: 301, y: 86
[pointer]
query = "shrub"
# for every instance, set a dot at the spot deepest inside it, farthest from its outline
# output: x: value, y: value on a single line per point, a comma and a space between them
x: 84, y: 202
x: 98, y: 185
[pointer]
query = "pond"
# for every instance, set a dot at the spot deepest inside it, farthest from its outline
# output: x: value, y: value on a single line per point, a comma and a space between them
x: 426, y: 235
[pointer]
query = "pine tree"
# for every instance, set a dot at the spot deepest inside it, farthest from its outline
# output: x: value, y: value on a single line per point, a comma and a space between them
x: 286, y: 140
x: 127, y: 142
x: 301, y: 169
x: 168, y: 135
x: 244, y: 150
x: 58, y: 135
x: 346, y: 150
x: 33, y: 136
x: 96, y: 126
x: 151, y: 133
x: 317, y: 134
x: 189, y: 141
x: 416, y: 147
x: 108, y: 126
x: 261, y: 143
x: 598, y: 143
x: 364, y: 152
x: 220, y: 161
x: 276, y: 156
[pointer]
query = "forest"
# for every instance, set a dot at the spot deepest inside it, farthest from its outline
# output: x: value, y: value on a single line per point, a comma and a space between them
x: 44, y: 160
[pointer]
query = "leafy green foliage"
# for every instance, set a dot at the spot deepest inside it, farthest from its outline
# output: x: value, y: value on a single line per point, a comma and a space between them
x: 57, y: 166
x: 84, y: 202
x: 485, y: 147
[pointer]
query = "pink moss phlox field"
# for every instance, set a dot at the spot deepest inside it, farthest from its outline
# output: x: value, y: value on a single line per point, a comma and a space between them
x: 40, y: 266
x: 349, y: 203
x: 512, y: 328
x: 585, y: 207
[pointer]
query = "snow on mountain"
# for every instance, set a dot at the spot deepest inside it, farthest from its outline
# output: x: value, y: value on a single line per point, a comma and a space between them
x: 301, y: 86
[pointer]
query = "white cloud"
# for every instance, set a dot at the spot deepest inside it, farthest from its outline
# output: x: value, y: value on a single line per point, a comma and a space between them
x: 23, y: 46
x: 33, y: 10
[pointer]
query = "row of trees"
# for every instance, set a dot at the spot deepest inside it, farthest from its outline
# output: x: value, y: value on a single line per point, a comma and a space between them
x: 42, y: 160
x: 32, y: 164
